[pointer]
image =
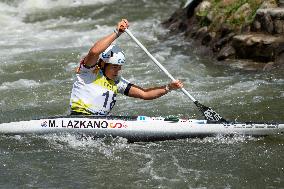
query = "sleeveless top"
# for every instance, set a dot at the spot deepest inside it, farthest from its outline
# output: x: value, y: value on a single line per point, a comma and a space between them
x: 95, y: 94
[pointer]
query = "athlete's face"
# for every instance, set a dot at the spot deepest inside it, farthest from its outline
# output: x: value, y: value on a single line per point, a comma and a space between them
x: 112, y: 71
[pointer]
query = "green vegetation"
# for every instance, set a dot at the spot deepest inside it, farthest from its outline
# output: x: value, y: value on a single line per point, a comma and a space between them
x: 234, y: 13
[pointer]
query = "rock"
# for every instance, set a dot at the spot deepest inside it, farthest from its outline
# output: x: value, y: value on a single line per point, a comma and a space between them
x: 200, y: 33
x: 268, y: 4
x: 243, y: 12
x: 226, y: 52
x: 280, y: 60
x: 280, y: 55
x: 258, y: 47
x: 208, y: 38
x: 226, y: 29
x: 281, y: 3
x: 269, y: 20
x: 222, y: 42
x: 256, y: 26
x: 203, y: 8
x: 267, y: 23
x: 176, y: 20
x: 226, y: 3
x: 202, y: 12
x: 181, y: 26
x: 276, y: 13
x: 269, y: 66
x: 279, y: 26
x: 210, y: 16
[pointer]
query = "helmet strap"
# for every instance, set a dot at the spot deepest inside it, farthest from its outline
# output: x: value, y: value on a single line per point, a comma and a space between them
x: 100, y: 66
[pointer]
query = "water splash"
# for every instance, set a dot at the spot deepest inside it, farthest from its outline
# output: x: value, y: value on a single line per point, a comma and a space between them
x: 107, y: 146
x: 221, y: 139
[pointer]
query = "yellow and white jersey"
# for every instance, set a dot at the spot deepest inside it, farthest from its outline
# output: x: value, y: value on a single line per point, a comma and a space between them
x: 94, y: 93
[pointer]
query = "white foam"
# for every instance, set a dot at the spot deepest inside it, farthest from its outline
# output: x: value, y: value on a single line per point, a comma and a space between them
x: 257, y: 99
x: 2, y: 103
x: 232, y: 88
x: 37, y: 37
x: 16, y: 36
x: 106, y: 146
x: 31, y: 5
x: 221, y: 139
x: 71, y: 66
x: 8, y: 17
x: 247, y: 86
x: 22, y: 83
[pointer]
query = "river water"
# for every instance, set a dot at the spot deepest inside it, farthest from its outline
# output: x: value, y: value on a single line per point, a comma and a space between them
x: 41, y: 43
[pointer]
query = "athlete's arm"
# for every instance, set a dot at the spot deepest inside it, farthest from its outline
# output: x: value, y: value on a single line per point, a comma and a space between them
x: 104, y: 43
x: 155, y: 92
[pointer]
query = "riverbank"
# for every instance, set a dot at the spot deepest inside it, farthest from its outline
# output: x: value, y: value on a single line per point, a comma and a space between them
x: 251, y: 32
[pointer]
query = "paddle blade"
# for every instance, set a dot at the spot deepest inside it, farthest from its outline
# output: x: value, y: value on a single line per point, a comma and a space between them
x: 209, y: 114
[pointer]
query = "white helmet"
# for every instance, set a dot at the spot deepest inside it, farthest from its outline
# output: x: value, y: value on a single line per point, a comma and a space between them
x: 113, y: 55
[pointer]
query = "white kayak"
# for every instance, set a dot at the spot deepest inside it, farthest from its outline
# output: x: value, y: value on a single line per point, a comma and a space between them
x: 139, y: 128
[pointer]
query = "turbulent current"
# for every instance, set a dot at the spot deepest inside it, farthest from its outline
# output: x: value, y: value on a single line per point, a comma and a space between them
x: 42, y: 42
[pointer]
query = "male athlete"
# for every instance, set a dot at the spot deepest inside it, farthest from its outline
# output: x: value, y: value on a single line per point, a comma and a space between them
x: 98, y: 82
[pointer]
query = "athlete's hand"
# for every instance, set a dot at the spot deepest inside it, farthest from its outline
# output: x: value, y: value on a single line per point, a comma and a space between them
x: 177, y: 84
x: 122, y: 25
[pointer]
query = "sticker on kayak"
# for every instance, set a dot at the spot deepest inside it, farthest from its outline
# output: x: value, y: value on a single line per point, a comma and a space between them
x: 80, y: 124
x: 146, y: 118
x: 44, y: 124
